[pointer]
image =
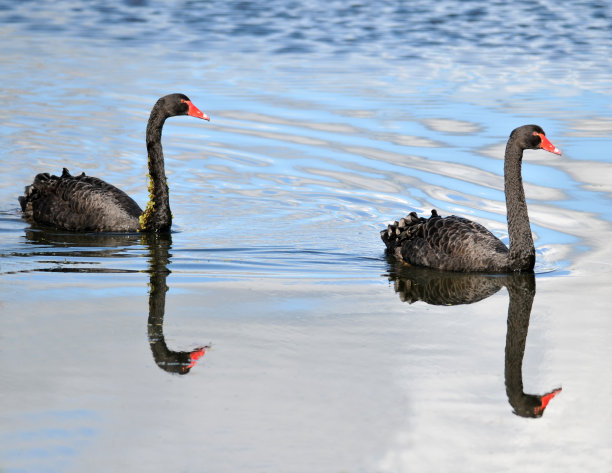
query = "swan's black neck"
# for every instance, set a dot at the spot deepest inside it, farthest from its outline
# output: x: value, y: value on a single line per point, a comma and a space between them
x: 522, y: 252
x: 157, y: 216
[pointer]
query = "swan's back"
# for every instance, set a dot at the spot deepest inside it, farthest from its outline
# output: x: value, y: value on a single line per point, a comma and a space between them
x: 79, y: 203
x: 451, y: 244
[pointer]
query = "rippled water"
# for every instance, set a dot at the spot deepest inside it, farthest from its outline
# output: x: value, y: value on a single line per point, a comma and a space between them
x: 270, y: 333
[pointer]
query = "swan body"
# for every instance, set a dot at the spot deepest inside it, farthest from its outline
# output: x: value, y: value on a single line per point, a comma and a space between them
x: 89, y: 204
x: 458, y: 244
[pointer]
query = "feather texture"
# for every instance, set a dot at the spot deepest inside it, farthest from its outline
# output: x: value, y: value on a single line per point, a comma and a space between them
x: 451, y: 244
x: 79, y: 203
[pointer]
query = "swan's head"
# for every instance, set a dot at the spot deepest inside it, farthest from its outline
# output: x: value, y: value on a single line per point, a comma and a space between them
x: 179, y: 104
x: 533, y: 137
x: 532, y: 405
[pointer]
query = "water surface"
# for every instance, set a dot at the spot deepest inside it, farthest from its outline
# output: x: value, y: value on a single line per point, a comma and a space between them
x: 286, y: 341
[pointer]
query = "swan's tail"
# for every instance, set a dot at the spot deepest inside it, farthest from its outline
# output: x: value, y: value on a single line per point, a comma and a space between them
x: 43, y: 183
x: 23, y: 199
x: 407, y: 228
x: 32, y: 192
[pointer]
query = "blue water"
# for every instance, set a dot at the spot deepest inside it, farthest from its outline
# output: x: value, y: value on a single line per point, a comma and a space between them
x: 328, y: 120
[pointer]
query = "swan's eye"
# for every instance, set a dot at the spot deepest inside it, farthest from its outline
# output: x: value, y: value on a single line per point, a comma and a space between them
x: 535, y: 133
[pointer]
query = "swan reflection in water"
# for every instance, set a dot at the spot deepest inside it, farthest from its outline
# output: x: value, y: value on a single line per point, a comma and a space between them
x: 169, y: 360
x: 113, y: 245
x: 446, y: 288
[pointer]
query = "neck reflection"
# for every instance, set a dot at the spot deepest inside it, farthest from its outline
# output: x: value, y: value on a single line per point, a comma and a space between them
x: 93, y: 250
x: 446, y: 288
x: 179, y: 362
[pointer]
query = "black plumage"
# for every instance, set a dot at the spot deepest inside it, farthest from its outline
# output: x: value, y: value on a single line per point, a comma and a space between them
x: 79, y: 203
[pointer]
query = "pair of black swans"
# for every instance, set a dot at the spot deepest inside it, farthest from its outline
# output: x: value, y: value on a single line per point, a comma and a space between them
x: 88, y: 204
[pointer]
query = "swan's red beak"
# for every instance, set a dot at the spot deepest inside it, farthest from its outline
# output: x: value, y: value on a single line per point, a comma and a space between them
x: 545, y: 400
x: 195, y: 111
x: 547, y: 145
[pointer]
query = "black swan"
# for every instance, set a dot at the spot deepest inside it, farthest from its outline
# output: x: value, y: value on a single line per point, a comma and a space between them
x: 88, y: 204
x: 458, y: 244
